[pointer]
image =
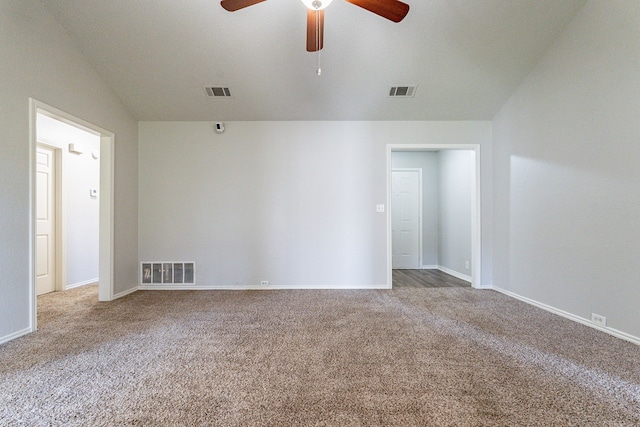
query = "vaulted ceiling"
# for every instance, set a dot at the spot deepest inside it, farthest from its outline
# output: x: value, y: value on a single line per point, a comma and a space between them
x: 465, y: 56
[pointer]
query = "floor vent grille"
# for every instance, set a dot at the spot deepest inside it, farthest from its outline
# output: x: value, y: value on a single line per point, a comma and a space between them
x: 167, y: 272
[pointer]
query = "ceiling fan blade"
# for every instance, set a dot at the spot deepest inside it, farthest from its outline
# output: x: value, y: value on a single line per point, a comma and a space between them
x: 393, y: 10
x: 315, y: 30
x: 233, y: 5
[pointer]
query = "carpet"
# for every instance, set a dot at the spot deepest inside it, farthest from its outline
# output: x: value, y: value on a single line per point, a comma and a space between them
x: 405, y: 357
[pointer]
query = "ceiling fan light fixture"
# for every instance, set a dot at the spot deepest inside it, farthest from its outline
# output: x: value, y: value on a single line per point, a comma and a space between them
x: 316, y: 4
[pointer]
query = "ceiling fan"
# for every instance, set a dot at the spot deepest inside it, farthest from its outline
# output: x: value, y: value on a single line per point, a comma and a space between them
x: 393, y: 10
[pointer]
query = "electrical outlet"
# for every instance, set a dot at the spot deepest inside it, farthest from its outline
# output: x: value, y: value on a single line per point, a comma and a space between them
x: 466, y: 265
x: 598, y: 320
x: 264, y: 283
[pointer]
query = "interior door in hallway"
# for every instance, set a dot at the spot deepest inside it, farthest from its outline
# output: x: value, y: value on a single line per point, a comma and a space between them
x: 406, y: 213
x: 45, y: 220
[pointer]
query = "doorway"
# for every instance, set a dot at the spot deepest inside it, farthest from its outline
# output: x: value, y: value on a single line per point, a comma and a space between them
x: 104, y: 156
x: 67, y: 205
x: 470, y: 214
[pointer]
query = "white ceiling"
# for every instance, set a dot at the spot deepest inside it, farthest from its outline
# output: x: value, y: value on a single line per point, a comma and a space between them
x: 466, y: 56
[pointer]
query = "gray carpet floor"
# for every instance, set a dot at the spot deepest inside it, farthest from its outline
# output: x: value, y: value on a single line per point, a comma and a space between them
x: 406, y: 357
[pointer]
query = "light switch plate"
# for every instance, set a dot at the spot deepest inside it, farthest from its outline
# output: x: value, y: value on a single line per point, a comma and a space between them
x: 379, y: 208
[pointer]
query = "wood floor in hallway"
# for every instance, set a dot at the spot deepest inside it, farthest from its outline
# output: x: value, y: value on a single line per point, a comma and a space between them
x: 426, y: 279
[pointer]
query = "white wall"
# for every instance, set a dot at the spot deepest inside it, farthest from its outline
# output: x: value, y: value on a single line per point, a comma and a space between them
x: 38, y: 60
x: 289, y: 202
x: 428, y: 162
x: 80, y: 173
x: 567, y: 172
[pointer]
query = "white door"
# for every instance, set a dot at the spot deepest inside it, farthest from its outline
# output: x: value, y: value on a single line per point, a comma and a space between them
x: 45, y: 220
x: 406, y: 212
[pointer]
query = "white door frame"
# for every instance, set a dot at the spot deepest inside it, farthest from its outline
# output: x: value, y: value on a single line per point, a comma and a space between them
x: 475, y: 205
x: 107, y: 139
x: 420, y: 191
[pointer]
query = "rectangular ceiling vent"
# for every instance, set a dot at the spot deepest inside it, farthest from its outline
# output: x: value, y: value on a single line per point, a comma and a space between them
x: 217, y: 92
x: 402, y: 91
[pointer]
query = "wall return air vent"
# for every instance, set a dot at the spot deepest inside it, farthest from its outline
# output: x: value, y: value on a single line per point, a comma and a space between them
x: 217, y: 92
x: 167, y: 272
x: 402, y: 91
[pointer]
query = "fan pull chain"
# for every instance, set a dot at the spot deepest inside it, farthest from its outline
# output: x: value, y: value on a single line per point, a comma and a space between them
x: 318, y: 68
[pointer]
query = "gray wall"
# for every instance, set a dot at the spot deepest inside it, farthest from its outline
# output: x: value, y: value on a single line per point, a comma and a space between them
x: 456, y: 186
x: 38, y: 60
x: 289, y: 202
x: 567, y: 172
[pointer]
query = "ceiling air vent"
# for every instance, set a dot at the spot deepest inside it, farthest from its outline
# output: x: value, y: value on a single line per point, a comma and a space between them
x: 217, y: 92
x: 402, y: 91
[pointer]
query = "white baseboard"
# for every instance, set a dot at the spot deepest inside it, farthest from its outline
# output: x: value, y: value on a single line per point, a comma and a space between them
x: 253, y: 288
x: 124, y: 293
x: 611, y: 331
x: 77, y: 285
x: 455, y: 273
x: 15, y: 335
x: 430, y: 267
